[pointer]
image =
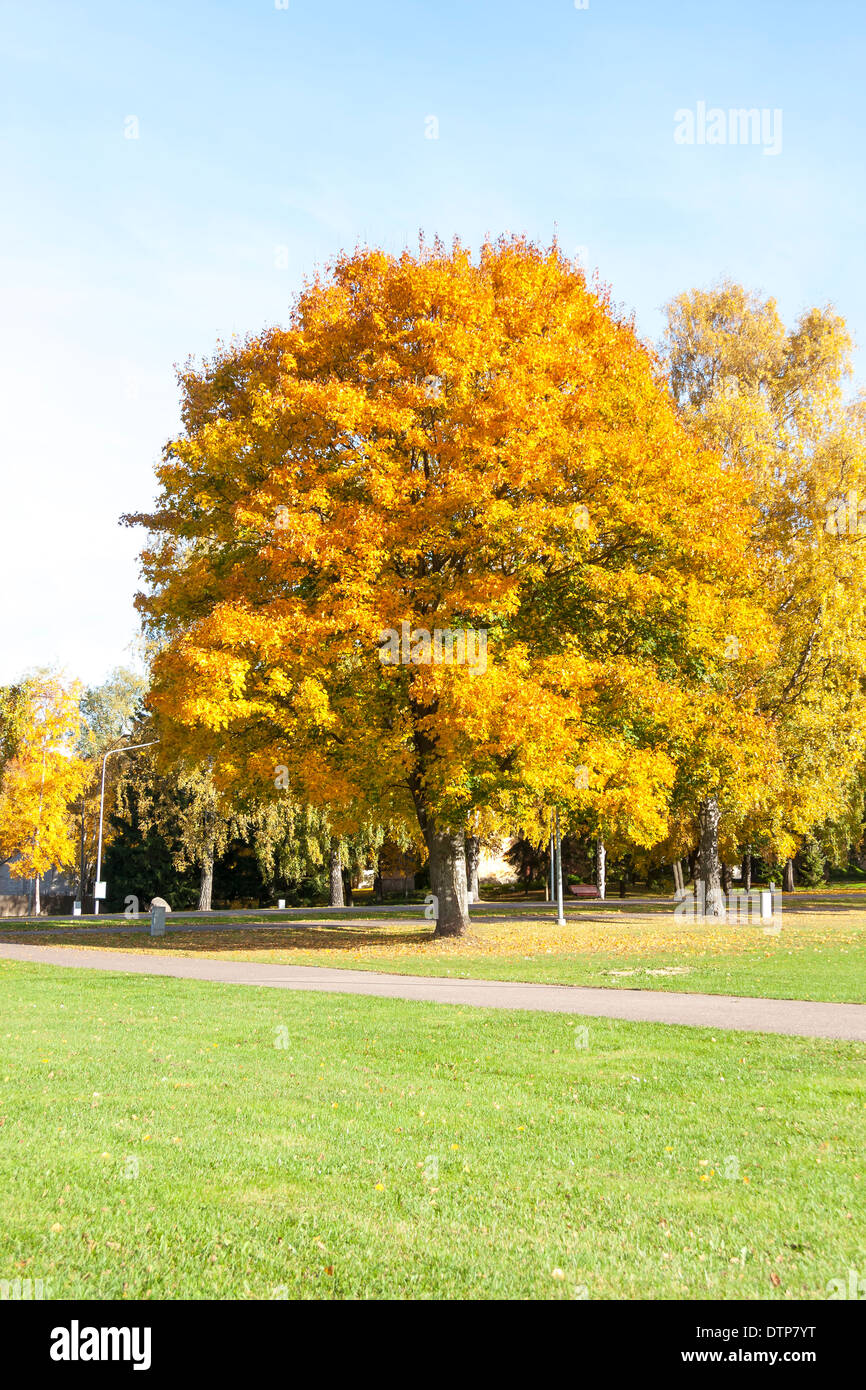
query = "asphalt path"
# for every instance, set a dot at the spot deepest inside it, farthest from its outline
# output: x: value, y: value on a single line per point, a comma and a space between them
x: 802, y: 1018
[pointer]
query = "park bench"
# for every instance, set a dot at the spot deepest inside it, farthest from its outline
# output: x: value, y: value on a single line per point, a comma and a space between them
x: 583, y: 890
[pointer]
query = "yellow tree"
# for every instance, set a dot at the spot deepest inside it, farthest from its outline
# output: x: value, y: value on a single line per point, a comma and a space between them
x: 41, y: 780
x: 13, y: 704
x: 416, y: 554
x: 769, y: 399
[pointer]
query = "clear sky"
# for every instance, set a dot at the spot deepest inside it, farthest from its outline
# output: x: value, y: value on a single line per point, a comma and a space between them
x: 268, y: 138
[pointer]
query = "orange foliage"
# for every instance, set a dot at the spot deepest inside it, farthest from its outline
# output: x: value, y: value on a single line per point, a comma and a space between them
x: 454, y: 444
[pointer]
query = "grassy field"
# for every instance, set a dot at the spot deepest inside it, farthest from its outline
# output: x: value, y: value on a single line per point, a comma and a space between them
x: 819, y: 954
x: 175, y: 1139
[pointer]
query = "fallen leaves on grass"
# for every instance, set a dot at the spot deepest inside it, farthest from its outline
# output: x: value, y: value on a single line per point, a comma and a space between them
x: 617, y: 935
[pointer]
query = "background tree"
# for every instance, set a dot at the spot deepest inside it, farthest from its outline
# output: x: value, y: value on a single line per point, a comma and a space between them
x: 769, y: 399
x: 143, y: 852
x: 13, y: 709
x: 207, y: 826
x: 181, y: 803
x: 108, y: 712
x: 40, y: 780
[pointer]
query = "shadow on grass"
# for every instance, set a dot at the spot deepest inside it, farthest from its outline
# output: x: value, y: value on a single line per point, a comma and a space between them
x: 313, y: 939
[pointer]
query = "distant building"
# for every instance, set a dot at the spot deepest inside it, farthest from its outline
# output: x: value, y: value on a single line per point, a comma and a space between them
x: 56, y: 889
x: 493, y: 867
x: 398, y: 868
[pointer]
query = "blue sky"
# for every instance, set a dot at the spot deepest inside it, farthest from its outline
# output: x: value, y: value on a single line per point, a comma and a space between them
x: 269, y: 138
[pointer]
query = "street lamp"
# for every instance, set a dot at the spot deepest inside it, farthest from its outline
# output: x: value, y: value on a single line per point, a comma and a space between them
x: 551, y: 871
x: 560, y: 911
x: 131, y: 749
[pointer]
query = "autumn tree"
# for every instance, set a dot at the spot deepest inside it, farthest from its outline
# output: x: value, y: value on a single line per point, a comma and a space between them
x: 769, y: 400
x: 434, y: 546
x: 41, y: 777
x: 13, y: 710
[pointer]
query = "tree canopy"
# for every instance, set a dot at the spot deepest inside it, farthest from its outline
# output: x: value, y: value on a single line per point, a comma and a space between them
x: 41, y: 778
x: 442, y: 444
x: 770, y: 401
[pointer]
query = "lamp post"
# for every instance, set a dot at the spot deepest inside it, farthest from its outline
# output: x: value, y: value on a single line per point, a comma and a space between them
x: 131, y: 749
x: 551, y: 872
x: 81, y: 857
x: 560, y: 910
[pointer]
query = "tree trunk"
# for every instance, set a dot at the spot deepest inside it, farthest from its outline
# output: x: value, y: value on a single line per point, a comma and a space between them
x: 726, y: 879
x: 788, y: 884
x: 708, y: 858
x: 692, y: 862
x: 678, y: 876
x: 448, y: 881
x: 335, y: 897
x: 600, y: 867
x: 747, y: 870
x: 473, y: 858
x: 347, y: 888
x: 205, y: 892
x: 446, y: 848
x: 37, y: 901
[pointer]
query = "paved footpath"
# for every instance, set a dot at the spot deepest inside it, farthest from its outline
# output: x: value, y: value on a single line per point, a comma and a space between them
x: 793, y: 1016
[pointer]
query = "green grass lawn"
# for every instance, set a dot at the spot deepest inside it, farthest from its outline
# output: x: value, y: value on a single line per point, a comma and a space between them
x: 819, y: 972
x: 157, y: 1141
